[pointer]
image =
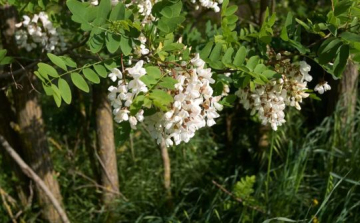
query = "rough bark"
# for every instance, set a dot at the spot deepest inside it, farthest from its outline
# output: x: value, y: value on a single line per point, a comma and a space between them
x: 31, y: 127
x: 105, y: 144
x: 345, y: 92
x: 348, y: 89
x: 7, y: 120
x: 36, y: 148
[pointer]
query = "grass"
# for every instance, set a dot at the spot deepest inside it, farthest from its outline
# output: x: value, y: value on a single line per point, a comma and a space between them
x: 305, y: 176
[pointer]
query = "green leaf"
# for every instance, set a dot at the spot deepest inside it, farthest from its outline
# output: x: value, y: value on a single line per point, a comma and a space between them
x: 79, y: 82
x: 259, y: 68
x: 227, y: 58
x: 351, y: 37
x: 240, y: 56
x: 118, y: 12
x: 341, y: 60
x: 231, y: 10
x: 327, y: 50
x: 137, y: 104
x: 101, y: 70
x: 302, y: 49
x: 252, y: 86
x: 289, y: 27
x: 103, y: 10
x: 65, y: 90
x: 153, y: 71
x: 252, y: 62
x: 91, y: 75
x: 68, y: 61
x: 56, y: 94
x: 284, y: 35
x: 216, y: 52
x: 96, y: 42
x: 148, y: 80
x: 49, y: 70
x: 48, y: 90
x: 228, y: 100
x: 125, y: 45
x: 112, y: 42
x: 58, y: 61
x: 6, y: 60
x: 168, y: 82
x: 224, y: 5
x: 168, y: 25
x: 270, y: 74
x: 2, y: 54
x: 161, y: 97
x: 205, y: 52
x: 78, y: 10
x: 38, y: 75
x: 342, y: 7
x: 173, y: 46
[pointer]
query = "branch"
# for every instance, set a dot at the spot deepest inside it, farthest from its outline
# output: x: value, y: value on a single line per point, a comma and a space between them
x: 236, y: 198
x: 32, y: 175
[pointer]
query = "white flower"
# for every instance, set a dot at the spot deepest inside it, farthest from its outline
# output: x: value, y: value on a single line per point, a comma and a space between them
x: 94, y: 2
x: 115, y: 74
x: 133, y: 122
x: 197, y: 61
x: 137, y: 71
x: 305, y: 69
x: 322, y: 87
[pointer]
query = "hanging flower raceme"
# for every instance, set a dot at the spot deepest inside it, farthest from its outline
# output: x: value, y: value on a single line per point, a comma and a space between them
x: 270, y: 100
x: 39, y: 31
x: 193, y: 107
x: 122, y: 95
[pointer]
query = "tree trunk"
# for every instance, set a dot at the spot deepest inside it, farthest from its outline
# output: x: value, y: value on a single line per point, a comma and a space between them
x: 167, y: 169
x: 7, y: 119
x: 36, y: 148
x: 345, y: 92
x: 105, y: 144
x: 348, y: 90
x: 31, y: 126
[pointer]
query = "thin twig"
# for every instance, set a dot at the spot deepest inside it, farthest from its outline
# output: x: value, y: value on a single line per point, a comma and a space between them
x: 105, y: 170
x: 236, y: 198
x: 97, y: 185
x: 32, y: 175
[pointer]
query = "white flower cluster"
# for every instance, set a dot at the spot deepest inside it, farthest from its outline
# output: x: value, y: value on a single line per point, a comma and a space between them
x: 322, y: 87
x: 270, y: 100
x: 144, y: 7
x: 194, y: 106
x: 39, y: 31
x: 210, y: 4
x: 122, y: 95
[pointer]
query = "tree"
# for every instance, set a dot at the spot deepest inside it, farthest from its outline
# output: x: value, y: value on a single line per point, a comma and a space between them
x: 29, y: 117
